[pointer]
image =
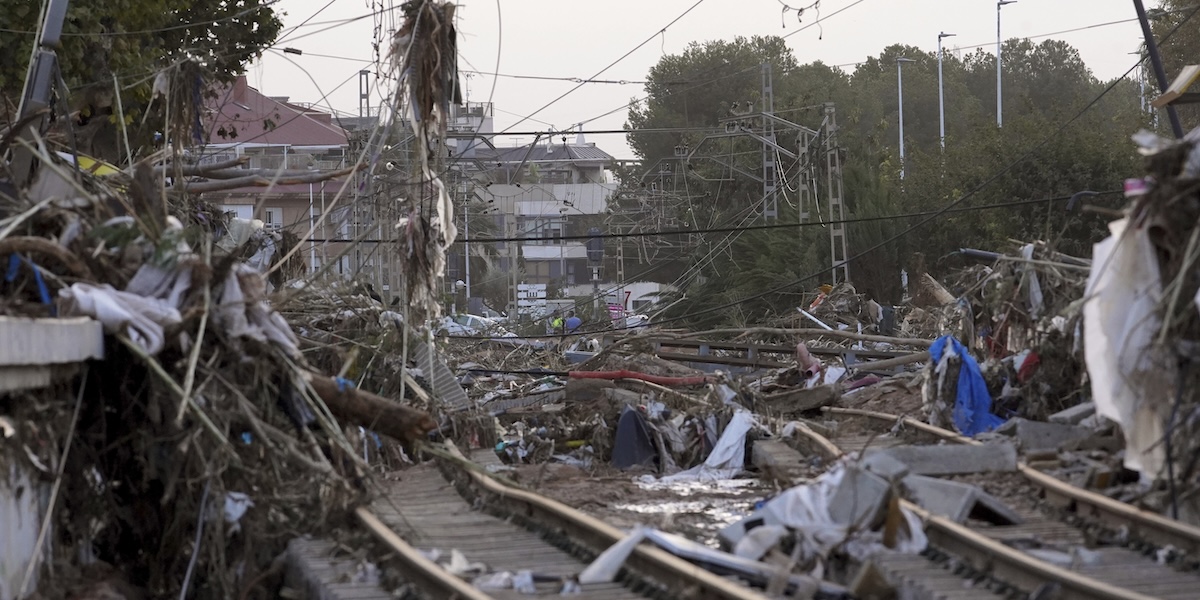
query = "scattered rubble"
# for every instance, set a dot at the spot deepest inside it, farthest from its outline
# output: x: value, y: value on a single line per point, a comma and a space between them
x: 218, y: 363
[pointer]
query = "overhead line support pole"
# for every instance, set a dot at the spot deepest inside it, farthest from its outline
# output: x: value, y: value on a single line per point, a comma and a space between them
x: 1160, y: 74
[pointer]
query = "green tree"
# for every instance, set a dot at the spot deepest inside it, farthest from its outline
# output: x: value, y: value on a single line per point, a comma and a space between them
x: 133, y: 40
x: 1046, y: 85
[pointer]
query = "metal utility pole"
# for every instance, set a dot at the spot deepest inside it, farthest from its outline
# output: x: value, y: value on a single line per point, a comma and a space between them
x: 837, y: 212
x: 740, y: 124
x: 999, y: 104
x: 39, y: 85
x: 770, y: 185
x: 357, y: 213
x: 1156, y: 61
x: 467, y: 245
x: 941, y: 96
x: 900, y: 90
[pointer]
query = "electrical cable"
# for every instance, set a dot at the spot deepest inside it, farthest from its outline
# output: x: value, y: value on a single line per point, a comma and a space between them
x: 611, y: 65
x: 820, y: 20
x: 638, y: 234
x: 932, y: 214
x: 284, y: 37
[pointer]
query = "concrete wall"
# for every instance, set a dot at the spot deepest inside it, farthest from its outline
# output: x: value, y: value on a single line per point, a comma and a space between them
x: 21, y: 505
x: 638, y: 291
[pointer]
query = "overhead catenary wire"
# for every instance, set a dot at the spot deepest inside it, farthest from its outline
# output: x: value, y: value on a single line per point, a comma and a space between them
x: 927, y: 219
x: 610, y: 65
x: 804, y: 224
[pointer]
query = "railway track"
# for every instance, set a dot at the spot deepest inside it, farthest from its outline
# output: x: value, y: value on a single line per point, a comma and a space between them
x: 449, y: 505
x: 1128, y: 553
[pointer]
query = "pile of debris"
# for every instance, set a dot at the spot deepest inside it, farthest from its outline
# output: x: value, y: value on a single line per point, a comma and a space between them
x: 205, y: 438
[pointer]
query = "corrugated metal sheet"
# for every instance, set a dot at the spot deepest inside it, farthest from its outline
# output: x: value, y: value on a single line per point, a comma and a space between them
x: 446, y: 389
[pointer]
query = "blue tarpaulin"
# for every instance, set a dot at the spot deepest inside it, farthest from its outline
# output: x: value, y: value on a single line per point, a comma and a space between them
x: 972, y: 403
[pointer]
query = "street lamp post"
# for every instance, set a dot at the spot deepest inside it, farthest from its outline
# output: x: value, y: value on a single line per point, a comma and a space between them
x: 900, y: 90
x: 941, y: 97
x: 467, y: 249
x: 999, y: 108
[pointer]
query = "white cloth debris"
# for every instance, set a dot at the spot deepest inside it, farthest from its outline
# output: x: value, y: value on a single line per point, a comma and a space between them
x: 728, y: 457
x: 242, y: 311
x: 759, y: 541
x: 808, y: 510
x: 1132, y: 379
x: 1036, y: 299
x: 606, y: 566
x: 141, y: 319
x: 156, y: 282
x: 521, y: 581
x: 236, y: 505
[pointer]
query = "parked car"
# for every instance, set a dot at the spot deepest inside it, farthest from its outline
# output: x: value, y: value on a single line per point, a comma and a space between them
x: 471, y: 326
x: 637, y: 321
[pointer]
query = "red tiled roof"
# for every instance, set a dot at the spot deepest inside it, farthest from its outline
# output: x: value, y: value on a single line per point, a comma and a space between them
x: 262, y: 120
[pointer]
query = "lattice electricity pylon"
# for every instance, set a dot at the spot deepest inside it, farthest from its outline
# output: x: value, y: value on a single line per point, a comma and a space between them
x: 656, y: 202
x: 765, y: 127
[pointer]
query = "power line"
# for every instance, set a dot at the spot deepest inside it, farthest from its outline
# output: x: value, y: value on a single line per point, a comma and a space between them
x: 995, y: 176
x: 948, y: 208
x: 305, y: 22
x: 820, y: 20
x: 641, y: 234
x: 611, y: 65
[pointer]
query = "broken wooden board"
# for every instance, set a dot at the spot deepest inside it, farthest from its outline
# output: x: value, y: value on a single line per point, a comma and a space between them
x: 800, y: 400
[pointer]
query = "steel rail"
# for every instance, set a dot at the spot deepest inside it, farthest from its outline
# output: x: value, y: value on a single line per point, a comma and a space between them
x: 659, y: 565
x: 1007, y: 564
x: 424, y: 572
x: 1148, y: 526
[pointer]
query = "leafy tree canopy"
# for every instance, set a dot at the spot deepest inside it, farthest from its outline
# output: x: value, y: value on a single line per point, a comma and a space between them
x: 1046, y: 84
x: 133, y: 40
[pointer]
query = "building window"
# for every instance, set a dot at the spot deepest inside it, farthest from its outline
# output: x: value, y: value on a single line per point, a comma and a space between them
x: 273, y: 218
x: 241, y: 211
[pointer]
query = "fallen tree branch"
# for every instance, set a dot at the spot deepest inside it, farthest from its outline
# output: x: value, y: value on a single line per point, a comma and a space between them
x: 880, y: 365
x: 365, y: 409
x: 259, y: 180
x: 45, y: 247
x: 202, y: 169
x: 234, y: 173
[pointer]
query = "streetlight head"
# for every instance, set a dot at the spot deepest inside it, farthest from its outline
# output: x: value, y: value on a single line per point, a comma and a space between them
x: 946, y: 35
x: 904, y: 60
x: 1003, y: 2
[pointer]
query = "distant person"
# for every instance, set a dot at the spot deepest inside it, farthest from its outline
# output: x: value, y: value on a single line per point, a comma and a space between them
x: 557, y: 323
x: 573, y: 322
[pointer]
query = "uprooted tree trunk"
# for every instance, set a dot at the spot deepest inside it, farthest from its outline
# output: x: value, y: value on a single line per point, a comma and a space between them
x: 356, y: 407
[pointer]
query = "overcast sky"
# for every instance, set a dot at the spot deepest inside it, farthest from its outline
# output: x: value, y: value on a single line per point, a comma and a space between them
x: 576, y: 39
